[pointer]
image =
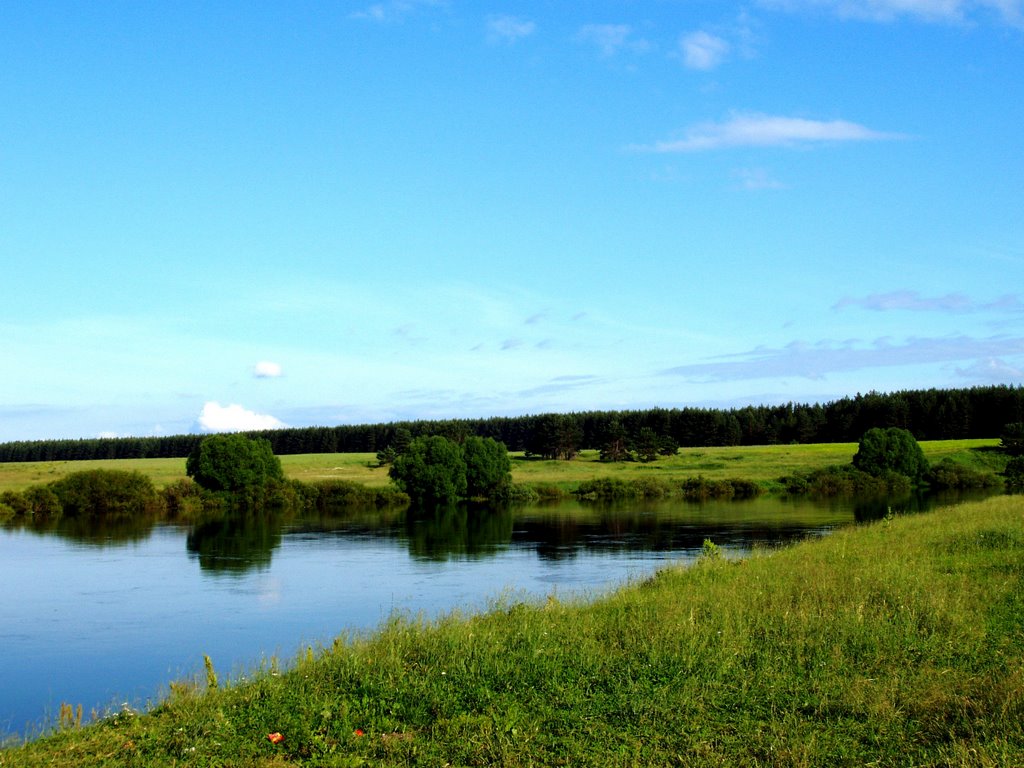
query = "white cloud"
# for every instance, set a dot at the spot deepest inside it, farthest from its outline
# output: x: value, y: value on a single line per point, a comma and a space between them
x: 949, y: 11
x: 265, y: 369
x: 757, y: 130
x: 701, y: 50
x: 610, y: 39
x: 234, y: 418
x: 508, y: 29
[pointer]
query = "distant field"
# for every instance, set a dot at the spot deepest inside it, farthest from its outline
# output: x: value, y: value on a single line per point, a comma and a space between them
x: 758, y: 463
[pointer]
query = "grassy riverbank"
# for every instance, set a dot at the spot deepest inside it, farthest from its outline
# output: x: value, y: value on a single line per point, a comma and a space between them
x: 898, y: 643
x: 764, y: 464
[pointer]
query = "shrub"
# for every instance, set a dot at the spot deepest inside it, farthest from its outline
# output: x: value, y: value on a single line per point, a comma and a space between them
x: 882, y: 451
x: 701, y: 488
x: 488, y: 468
x: 1012, y: 439
x: 233, y: 463
x: 1014, y: 474
x: 948, y: 474
x: 431, y: 470
x: 6, y: 512
x: 604, y: 489
x: 105, y: 492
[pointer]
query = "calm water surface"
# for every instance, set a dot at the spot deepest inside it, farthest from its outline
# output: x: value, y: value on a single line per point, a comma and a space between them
x: 105, y: 615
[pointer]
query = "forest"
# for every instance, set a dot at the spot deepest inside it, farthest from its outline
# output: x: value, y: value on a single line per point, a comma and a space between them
x: 932, y: 414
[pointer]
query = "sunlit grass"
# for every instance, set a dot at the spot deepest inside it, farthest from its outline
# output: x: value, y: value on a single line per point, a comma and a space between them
x: 758, y: 463
x: 898, y: 643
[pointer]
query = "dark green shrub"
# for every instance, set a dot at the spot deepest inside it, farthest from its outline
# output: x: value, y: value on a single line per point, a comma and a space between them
x: 431, y: 470
x: 882, y: 451
x: 6, y: 512
x: 1014, y: 475
x: 106, y: 492
x: 603, y: 489
x: 948, y: 474
x: 233, y: 463
x: 650, y: 488
x: 701, y: 488
x: 1011, y: 441
x: 488, y: 467
x: 16, y: 502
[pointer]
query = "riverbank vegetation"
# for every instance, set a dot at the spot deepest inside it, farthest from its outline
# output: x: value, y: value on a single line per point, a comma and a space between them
x: 895, y: 643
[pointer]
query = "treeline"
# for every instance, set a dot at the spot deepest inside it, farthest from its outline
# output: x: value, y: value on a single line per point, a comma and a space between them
x: 933, y: 414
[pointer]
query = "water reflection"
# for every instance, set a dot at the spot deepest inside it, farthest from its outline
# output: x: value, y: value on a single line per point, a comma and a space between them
x: 240, y: 542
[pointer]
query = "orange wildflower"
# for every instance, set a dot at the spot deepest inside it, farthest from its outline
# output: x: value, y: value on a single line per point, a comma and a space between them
x: 275, y: 738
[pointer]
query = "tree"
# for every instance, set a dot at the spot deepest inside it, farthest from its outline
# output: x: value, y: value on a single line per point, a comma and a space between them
x: 615, y: 446
x: 233, y: 463
x: 488, y: 468
x: 555, y: 436
x: 1012, y: 439
x: 432, y: 470
x: 648, y: 444
x: 893, y: 449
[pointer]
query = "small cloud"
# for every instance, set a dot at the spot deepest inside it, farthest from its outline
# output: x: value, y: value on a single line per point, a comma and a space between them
x: 610, y: 39
x: 392, y: 10
x: 534, y: 319
x: 511, y: 344
x: 265, y: 369
x: 234, y: 418
x: 508, y: 29
x: 108, y: 435
x: 756, y: 179
x: 757, y: 130
x: 703, y: 51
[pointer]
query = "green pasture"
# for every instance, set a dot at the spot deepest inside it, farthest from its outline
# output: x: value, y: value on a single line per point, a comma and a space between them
x: 898, y: 643
x: 763, y: 463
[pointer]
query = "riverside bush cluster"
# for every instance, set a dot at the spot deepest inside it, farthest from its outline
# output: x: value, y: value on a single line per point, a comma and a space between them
x: 692, y: 489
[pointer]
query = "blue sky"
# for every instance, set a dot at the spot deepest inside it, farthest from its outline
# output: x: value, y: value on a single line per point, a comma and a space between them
x: 220, y: 216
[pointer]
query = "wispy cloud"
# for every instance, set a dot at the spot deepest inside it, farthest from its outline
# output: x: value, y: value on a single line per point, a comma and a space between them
x: 815, y: 361
x: 912, y: 301
x: 948, y: 11
x: 611, y: 39
x: 234, y: 418
x: 758, y: 130
x: 508, y: 29
x: 393, y: 10
x: 265, y: 369
x: 702, y: 50
x: 756, y: 179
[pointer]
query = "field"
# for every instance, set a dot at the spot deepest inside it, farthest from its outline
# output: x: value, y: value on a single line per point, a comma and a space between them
x: 896, y: 643
x: 757, y: 463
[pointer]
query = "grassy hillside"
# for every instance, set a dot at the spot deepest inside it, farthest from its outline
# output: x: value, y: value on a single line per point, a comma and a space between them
x: 898, y: 643
x: 758, y: 463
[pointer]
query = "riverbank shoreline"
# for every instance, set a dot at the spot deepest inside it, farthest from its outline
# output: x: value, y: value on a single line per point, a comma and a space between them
x: 897, y: 642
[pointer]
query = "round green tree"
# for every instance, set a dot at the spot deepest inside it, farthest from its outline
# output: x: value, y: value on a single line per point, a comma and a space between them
x: 488, y: 468
x: 431, y: 470
x: 233, y: 463
x: 885, y: 450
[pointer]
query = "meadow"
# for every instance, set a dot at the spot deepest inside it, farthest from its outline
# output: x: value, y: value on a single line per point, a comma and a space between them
x: 762, y: 464
x: 895, y: 643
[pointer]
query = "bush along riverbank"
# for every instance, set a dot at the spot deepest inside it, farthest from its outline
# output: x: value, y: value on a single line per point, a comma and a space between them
x: 895, y: 643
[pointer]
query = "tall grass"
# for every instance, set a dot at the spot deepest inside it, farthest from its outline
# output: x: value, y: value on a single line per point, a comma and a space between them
x: 898, y: 643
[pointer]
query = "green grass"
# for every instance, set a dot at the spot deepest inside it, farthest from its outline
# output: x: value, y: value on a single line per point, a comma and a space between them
x: 763, y: 464
x: 894, y: 644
